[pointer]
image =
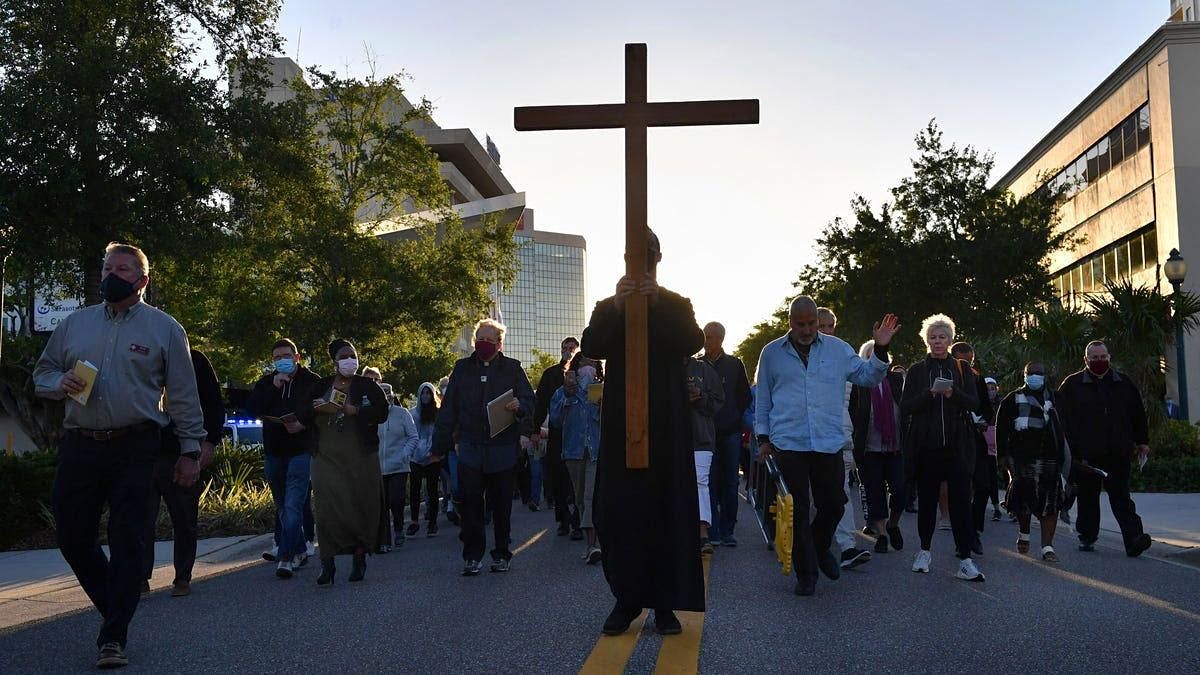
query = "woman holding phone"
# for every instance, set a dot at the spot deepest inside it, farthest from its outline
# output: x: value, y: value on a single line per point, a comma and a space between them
x: 939, y: 445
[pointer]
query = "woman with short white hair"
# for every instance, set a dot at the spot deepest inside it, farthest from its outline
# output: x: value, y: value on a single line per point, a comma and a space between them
x: 939, y: 444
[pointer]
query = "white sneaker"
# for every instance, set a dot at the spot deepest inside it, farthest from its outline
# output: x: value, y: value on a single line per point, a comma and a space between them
x: 922, y: 561
x: 968, y: 571
x: 270, y: 556
x: 309, y: 549
x: 284, y: 569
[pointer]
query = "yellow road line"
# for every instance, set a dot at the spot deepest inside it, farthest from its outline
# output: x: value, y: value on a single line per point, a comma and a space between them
x: 612, y: 652
x: 531, y: 542
x: 681, y: 653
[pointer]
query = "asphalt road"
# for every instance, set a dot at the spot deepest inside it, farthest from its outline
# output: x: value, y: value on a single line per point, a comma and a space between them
x: 414, y: 613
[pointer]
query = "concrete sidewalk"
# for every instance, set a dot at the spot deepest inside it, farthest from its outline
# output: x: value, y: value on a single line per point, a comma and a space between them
x: 37, y: 585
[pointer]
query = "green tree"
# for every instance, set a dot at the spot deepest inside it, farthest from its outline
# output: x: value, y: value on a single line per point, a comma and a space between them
x: 112, y: 128
x: 542, y: 360
x: 945, y: 243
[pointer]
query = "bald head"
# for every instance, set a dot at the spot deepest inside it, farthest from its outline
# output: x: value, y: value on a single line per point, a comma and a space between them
x: 802, y: 319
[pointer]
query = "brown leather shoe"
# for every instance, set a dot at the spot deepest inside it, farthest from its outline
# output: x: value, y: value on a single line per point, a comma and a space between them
x: 180, y: 589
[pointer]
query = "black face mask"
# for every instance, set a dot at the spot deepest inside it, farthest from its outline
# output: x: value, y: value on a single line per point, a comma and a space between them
x: 114, y: 289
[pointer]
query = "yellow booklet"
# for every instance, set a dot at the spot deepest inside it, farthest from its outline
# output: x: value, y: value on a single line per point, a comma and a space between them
x: 595, y: 392
x: 87, y: 372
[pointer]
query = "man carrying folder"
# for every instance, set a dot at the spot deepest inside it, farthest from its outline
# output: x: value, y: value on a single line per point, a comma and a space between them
x: 109, y: 445
x: 487, y: 399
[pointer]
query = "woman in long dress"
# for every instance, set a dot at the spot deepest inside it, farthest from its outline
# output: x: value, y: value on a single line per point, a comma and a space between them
x: 347, y: 482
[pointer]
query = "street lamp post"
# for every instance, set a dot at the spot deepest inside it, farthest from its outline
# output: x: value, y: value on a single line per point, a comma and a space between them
x: 1176, y: 270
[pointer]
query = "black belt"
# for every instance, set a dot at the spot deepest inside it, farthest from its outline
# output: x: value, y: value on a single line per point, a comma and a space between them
x: 103, y: 435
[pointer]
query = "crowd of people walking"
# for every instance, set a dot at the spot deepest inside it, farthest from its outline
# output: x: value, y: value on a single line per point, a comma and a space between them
x: 344, y: 458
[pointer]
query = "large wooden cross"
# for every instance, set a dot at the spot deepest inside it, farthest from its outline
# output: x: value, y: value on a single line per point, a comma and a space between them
x: 635, y: 115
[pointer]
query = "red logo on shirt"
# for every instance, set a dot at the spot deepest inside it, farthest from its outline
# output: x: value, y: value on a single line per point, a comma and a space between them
x: 144, y: 351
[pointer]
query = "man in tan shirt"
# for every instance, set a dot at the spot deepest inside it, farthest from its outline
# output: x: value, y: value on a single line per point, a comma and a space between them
x: 144, y: 379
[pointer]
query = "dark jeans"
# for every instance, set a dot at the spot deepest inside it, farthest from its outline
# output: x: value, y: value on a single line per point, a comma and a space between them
x: 723, y: 484
x: 558, y: 481
x: 824, y: 474
x: 430, y: 475
x: 882, y: 473
x: 90, y: 474
x: 1087, y: 520
x: 288, y: 478
x: 499, y: 489
x: 935, y: 467
x: 395, y: 489
x: 183, y: 505
x: 986, y: 488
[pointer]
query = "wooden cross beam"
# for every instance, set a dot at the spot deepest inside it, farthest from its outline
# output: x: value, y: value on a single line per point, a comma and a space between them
x: 635, y: 115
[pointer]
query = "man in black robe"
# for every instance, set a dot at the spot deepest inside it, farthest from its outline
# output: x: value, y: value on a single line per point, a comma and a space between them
x: 646, y: 518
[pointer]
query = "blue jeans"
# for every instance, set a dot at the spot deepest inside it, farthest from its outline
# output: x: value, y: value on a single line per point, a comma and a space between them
x: 723, y: 484
x: 288, y: 479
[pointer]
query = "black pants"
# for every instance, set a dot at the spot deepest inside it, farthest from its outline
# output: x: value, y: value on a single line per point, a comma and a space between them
x: 557, y: 481
x: 395, y: 489
x: 986, y: 488
x: 524, y: 478
x: 882, y: 473
x: 183, y: 505
x: 824, y: 474
x: 499, y: 489
x: 937, y: 466
x: 1087, y: 520
x: 90, y: 474
x: 429, y: 474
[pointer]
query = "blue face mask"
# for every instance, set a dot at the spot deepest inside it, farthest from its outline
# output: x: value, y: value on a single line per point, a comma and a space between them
x: 1035, y: 382
x: 286, y: 366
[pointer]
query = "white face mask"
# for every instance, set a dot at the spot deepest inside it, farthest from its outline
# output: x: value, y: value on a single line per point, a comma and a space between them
x: 347, y: 367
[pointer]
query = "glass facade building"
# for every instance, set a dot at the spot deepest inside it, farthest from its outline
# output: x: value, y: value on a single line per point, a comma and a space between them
x: 548, y: 300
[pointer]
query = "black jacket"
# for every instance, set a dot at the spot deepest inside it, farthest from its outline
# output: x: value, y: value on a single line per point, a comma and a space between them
x: 551, y: 380
x: 1104, y: 417
x: 737, y: 393
x: 860, y: 413
x: 363, y: 394
x: 463, y: 417
x: 210, y: 404
x: 267, y: 399
x: 931, y: 423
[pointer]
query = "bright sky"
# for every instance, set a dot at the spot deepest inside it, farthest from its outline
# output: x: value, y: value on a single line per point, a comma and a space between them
x: 844, y: 87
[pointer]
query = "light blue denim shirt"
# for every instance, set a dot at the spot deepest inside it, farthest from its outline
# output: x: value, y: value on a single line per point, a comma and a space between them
x: 800, y: 408
x: 580, y: 422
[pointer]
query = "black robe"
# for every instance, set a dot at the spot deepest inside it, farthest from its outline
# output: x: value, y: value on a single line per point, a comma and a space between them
x: 648, y: 520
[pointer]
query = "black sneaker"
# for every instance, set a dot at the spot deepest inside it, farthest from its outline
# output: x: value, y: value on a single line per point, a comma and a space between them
x: 619, y: 619
x: 431, y: 530
x: 576, y: 534
x: 1139, y: 546
x: 805, y: 586
x: 412, y: 530
x: 881, y: 543
x: 1087, y: 546
x: 896, y: 539
x: 501, y: 565
x: 666, y: 622
x: 829, y: 565
x: 977, y: 545
x: 472, y: 568
x: 996, y: 515
x: 851, y: 558
x: 452, y: 516
x: 111, y: 656
x: 563, y: 529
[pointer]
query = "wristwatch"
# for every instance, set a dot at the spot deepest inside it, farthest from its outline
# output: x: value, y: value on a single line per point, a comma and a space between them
x: 193, y: 455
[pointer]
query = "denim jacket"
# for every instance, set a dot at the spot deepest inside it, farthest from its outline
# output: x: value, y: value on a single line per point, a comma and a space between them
x: 580, y: 422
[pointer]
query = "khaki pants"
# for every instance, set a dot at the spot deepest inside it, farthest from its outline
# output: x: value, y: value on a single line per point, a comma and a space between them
x: 583, y: 478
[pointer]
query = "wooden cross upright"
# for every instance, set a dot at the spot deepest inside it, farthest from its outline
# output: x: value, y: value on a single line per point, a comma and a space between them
x: 635, y: 115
